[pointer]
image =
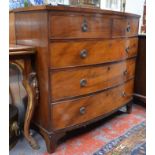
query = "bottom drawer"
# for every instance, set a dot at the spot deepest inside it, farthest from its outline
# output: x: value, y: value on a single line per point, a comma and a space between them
x: 73, y: 112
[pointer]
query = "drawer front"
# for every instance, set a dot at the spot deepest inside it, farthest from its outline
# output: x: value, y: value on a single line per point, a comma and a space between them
x: 65, y: 54
x: 75, y: 82
x: 73, y: 112
x: 79, y: 26
x: 125, y: 27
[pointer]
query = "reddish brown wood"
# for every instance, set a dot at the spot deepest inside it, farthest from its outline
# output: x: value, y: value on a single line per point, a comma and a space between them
x: 97, y: 52
x: 76, y: 111
x: 31, y: 29
x: 69, y: 82
x: 21, y: 49
x: 129, y: 108
x: 125, y: 27
x: 79, y: 26
x: 51, y: 139
x: 76, y: 9
x: 56, y: 33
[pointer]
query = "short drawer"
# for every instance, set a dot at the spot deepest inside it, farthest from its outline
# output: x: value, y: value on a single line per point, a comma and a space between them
x: 73, y: 112
x: 66, y: 54
x: 79, y: 26
x: 125, y: 27
x: 80, y: 81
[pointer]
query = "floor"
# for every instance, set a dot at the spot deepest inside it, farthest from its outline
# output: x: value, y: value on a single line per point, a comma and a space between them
x: 87, y: 141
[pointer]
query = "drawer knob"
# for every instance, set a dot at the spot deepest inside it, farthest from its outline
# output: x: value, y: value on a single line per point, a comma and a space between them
x: 125, y: 72
x: 82, y: 110
x: 83, y: 53
x: 84, y: 26
x: 83, y: 82
x: 127, y: 50
x: 128, y: 28
x: 123, y: 94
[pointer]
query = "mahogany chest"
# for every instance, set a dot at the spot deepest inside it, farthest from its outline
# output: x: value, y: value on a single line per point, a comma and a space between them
x: 85, y: 64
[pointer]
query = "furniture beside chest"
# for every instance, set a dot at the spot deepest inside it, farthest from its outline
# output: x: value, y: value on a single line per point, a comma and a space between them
x: 21, y: 58
x: 85, y: 64
x: 140, y: 74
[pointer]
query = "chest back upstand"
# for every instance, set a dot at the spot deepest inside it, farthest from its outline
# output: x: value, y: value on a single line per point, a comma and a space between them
x: 85, y: 64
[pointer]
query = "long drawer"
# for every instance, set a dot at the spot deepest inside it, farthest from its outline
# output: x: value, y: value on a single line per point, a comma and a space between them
x: 79, y: 81
x: 65, y: 54
x: 66, y: 26
x: 72, y: 112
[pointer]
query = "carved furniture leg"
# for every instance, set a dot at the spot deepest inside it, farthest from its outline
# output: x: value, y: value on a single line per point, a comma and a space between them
x: 30, y: 85
x: 29, y: 113
x: 129, y: 108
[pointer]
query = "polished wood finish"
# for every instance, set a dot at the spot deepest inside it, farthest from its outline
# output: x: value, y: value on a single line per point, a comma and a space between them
x: 12, y: 35
x: 69, y: 82
x: 140, y: 76
x: 79, y: 26
x: 72, y: 112
x: 125, y: 27
x: 25, y: 54
x: 31, y: 29
x: 75, y: 43
x: 21, y: 49
x: 70, y: 9
x: 96, y: 52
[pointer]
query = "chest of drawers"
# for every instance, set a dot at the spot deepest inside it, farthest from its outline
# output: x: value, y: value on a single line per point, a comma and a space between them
x: 85, y: 64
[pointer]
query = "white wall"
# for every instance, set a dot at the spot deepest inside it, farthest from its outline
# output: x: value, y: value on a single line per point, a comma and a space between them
x: 66, y: 2
x: 135, y: 6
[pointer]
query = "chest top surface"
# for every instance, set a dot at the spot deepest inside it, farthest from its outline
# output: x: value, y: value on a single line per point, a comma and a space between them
x: 73, y: 9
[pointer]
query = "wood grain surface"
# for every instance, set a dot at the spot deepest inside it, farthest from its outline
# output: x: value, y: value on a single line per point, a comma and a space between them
x: 72, y: 26
x: 75, y: 82
x: 73, y: 112
x: 66, y: 54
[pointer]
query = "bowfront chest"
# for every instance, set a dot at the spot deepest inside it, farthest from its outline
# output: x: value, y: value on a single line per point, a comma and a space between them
x: 85, y: 64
